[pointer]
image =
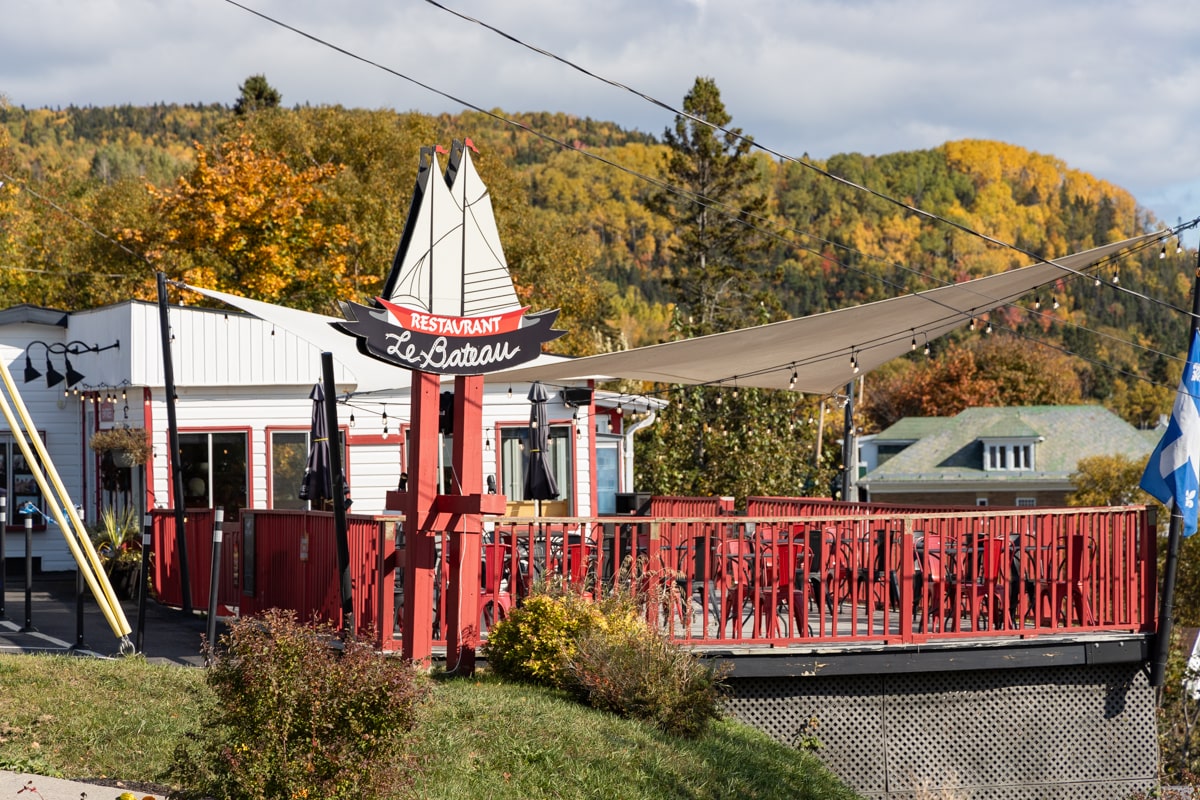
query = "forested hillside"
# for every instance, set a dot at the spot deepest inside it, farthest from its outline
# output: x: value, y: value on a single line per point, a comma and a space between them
x: 306, y: 205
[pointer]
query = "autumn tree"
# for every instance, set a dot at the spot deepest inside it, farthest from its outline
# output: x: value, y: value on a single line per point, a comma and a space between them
x: 243, y: 221
x: 1108, y: 480
x: 990, y: 370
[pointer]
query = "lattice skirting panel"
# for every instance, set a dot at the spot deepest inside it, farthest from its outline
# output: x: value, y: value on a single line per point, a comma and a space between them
x: 1059, y: 733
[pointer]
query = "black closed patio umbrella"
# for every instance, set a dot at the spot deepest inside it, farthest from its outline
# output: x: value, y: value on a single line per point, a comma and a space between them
x: 539, y: 478
x: 317, y: 486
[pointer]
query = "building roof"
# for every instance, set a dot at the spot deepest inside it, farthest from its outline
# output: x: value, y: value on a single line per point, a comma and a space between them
x: 952, y: 450
x: 911, y: 429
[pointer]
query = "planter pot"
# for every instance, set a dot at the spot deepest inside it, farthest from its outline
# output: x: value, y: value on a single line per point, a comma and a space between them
x: 123, y: 458
x: 124, y: 580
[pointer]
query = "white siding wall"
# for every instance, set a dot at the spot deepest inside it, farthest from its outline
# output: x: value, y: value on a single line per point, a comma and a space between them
x: 231, y: 374
x: 56, y: 417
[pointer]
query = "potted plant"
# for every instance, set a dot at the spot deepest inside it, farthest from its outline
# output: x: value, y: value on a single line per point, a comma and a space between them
x: 118, y: 543
x: 128, y: 446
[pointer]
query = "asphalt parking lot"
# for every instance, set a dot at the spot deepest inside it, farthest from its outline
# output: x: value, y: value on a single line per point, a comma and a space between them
x: 47, y: 618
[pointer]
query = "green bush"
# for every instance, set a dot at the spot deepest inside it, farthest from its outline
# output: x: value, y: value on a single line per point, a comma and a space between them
x: 532, y: 644
x: 635, y: 672
x: 606, y: 655
x: 295, y: 717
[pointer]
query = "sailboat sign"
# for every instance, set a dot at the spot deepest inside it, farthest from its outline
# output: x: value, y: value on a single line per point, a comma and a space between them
x: 449, y: 305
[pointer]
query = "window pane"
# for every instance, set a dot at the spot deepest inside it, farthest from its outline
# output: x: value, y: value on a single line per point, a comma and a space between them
x: 193, y: 455
x: 560, y: 460
x: 229, y: 479
x: 514, y: 450
x: 214, y: 471
x: 289, y: 454
x: 512, y: 462
x: 24, y: 487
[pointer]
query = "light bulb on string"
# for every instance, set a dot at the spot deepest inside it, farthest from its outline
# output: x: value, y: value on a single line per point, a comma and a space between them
x: 510, y: 392
x: 854, y: 362
x: 351, y: 419
x: 913, y: 345
x: 927, y: 344
x: 385, y: 421
x: 795, y: 377
x: 988, y: 329
x: 1162, y: 253
x: 1055, y: 304
x: 1037, y: 303
x: 1097, y: 280
x: 1178, y: 245
x: 971, y: 327
x: 1116, y: 278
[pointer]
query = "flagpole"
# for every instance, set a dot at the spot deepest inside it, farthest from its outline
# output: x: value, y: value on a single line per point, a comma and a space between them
x: 1162, y: 641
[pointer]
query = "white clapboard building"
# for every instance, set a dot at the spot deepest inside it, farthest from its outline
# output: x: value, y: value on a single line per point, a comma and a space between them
x: 243, y: 408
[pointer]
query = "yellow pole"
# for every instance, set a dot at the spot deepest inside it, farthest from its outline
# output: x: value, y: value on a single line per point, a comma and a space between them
x: 85, y: 555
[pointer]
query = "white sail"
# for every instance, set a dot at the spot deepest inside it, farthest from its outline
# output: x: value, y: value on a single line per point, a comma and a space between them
x: 487, y: 287
x: 428, y: 269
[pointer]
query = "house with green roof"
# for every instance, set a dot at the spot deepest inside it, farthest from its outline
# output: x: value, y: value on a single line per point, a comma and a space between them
x: 1011, y: 456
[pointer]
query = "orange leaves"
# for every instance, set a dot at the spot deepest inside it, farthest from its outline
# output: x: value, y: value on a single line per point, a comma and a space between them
x: 244, y: 221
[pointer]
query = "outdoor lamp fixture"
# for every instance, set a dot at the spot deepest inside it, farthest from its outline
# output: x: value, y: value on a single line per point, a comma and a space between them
x: 72, y: 348
x: 74, y: 376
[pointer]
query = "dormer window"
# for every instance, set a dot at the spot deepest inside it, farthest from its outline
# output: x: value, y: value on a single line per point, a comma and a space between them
x: 1008, y: 456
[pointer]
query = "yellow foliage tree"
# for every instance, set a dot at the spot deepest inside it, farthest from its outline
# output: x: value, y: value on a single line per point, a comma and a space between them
x: 243, y: 221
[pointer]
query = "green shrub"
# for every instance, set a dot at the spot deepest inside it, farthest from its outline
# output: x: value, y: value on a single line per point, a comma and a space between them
x: 532, y: 644
x: 294, y: 717
x: 635, y: 672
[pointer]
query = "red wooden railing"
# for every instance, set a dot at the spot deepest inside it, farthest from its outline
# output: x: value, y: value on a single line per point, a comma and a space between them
x: 857, y: 574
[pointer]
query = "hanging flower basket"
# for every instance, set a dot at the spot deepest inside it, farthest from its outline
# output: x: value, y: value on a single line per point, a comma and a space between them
x: 128, y: 446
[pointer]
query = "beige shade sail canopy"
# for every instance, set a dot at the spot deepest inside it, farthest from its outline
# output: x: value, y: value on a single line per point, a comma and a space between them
x: 817, y: 354
x: 816, y: 349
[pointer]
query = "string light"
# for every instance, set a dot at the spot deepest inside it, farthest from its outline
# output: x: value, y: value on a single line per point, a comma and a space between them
x: 972, y: 325
x: 988, y: 329
x: 385, y: 421
x: 351, y: 419
x: 1116, y: 278
x: 913, y: 346
x: 1055, y: 306
x: 854, y: 361
x: 1178, y: 244
x: 795, y: 377
x: 510, y: 392
x: 1163, y: 253
x: 1037, y: 303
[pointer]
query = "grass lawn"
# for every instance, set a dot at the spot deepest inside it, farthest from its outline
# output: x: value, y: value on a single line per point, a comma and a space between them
x: 480, y: 738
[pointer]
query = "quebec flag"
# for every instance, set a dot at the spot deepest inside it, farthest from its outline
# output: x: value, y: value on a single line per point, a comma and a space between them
x: 1173, y: 473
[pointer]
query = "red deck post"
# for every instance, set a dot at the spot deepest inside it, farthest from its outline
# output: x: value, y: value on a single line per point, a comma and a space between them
x: 420, y: 555
x: 462, y: 606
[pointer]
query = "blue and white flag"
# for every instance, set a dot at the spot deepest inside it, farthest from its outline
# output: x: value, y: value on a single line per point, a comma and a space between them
x: 1173, y: 472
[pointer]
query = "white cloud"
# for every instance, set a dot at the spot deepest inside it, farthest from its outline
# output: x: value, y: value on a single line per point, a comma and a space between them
x: 1106, y: 85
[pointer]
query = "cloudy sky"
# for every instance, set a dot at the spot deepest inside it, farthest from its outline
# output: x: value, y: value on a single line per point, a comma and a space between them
x: 1111, y: 87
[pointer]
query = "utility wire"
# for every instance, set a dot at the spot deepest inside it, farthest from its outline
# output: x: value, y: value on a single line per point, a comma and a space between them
x: 738, y: 135
x: 695, y: 197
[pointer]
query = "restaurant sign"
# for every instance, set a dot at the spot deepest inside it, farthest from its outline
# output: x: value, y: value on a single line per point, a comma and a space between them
x: 449, y: 306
